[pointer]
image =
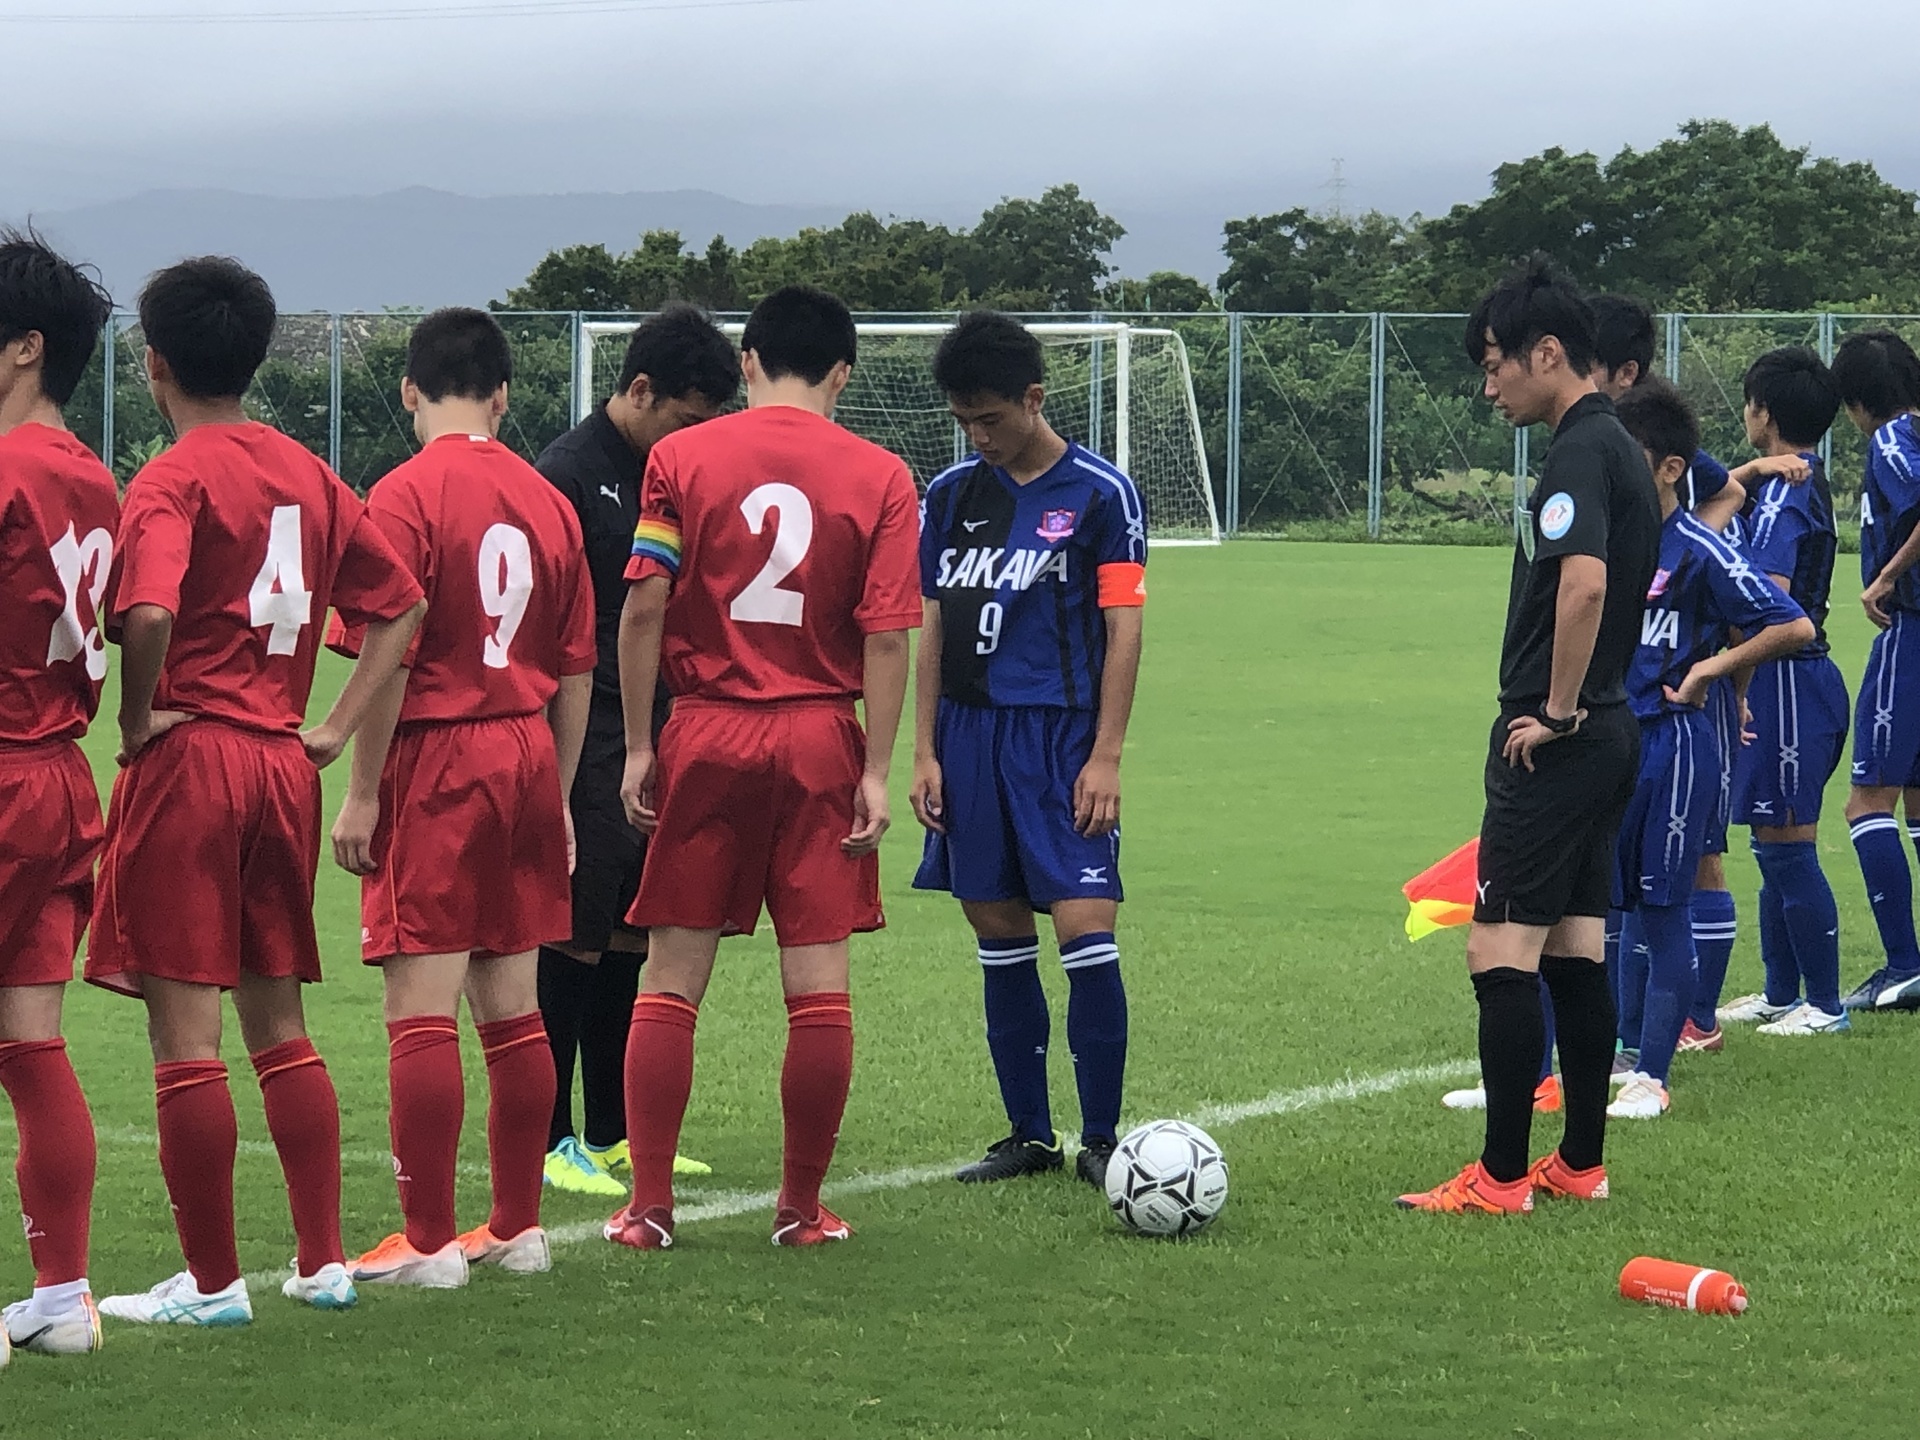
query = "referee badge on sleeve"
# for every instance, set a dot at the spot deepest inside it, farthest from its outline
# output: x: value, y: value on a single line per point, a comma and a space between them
x: 1556, y: 516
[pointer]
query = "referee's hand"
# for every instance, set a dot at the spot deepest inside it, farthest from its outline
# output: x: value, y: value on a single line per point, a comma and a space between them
x: 1528, y: 733
x: 636, y: 791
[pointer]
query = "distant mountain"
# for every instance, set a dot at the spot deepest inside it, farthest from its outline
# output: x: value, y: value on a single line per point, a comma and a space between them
x: 409, y: 248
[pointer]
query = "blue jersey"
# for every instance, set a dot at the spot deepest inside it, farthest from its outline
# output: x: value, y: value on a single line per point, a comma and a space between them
x: 1022, y: 573
x: 1790, y: 532
x: 1889, y: 506
x: 1703, y: 586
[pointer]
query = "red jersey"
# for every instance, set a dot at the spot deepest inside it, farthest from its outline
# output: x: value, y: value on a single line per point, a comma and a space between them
x: 789, y: 540
x: 509, y: 600
x: 247, y: 538
x: 59, y: 510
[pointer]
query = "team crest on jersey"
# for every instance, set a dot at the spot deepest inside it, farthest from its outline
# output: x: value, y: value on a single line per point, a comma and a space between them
x: 1659, y: 586
x: 1056, y: 525
x: 1556, y: 516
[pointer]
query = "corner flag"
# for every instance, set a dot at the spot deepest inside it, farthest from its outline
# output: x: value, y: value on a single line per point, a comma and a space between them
x: 1442, y: 894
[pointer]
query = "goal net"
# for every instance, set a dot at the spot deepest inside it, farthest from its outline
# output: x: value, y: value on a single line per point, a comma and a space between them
x: 1123, y: 391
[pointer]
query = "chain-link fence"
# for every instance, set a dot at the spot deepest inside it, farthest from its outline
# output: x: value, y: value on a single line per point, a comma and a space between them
x: 1335, y: 425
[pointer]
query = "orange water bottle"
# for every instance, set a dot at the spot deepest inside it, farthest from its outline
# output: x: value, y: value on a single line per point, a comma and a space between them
x: 1682, y: 1287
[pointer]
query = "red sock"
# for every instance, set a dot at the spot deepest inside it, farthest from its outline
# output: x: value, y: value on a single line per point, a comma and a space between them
x: 813, y: 1092
x: 55, y: 1166
x: 520, y: 1089
x: 198, y: 1137
x: 428, y: 1101
x: 303, y: 1116
x: 659, y: 1079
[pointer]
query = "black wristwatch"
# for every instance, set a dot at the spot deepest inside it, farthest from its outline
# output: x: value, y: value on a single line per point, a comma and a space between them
x: 1560, y: 727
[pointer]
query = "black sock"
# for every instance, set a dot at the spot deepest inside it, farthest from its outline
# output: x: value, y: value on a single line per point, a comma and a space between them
x: 563, y: 996
x: 1583, y: 1013
x: 604, y: 1024
x: 1512, y: 1039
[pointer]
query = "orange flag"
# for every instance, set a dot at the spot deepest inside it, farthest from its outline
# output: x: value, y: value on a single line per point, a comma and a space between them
x: 1442, y: 894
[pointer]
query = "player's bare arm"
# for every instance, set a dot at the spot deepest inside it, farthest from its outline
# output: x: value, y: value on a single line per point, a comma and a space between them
x: 1576, y: 626
x: 641, y: 625
x: 1792, y: 468
x: 1096, y: 793
x: 1874, y: 599
x: 381, y: 654
x: 146, y: 631
x: 928, y: 803
x: 567, y: 718
x: 360, y: 812
x: 884, y: 690
x: 1764, y: 645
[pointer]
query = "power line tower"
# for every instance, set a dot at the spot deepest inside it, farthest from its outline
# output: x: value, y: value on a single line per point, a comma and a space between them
x: 1336, y: 188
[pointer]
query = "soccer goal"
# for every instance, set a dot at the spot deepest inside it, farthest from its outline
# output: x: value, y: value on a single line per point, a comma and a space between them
x: 1124, y: 391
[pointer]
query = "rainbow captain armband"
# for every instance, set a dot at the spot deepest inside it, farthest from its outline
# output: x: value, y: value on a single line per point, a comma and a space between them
x: 658, y: 541
x: 1123, y: 585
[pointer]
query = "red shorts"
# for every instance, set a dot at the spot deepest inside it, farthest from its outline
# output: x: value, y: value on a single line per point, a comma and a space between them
x: 471, y: 844
x: 754, y: 800
x: 213, y: 835
x: 48, y: 843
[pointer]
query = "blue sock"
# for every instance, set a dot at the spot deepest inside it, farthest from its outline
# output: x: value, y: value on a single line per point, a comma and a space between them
x: 1714, y: 921
x: 1811, y: 918
x: 1671, y: 973
x: 1018, y: 1029
x: 1883, y: 864
x: 1777, y: 959
x: 1632, y: 1001
x: 1546, y: 1016
x: 1096, y: 1030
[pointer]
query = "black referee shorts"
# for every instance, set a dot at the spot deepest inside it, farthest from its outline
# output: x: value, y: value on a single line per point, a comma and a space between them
x: 1548, y: 836
x: 608, y: 852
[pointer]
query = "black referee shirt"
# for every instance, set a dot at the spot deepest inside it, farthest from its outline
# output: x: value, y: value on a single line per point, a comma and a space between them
x: 594, y: 467
x: 1595, y: 497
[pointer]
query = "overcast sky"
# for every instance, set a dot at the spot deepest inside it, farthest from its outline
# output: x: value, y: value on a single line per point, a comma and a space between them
x: 914, y: 106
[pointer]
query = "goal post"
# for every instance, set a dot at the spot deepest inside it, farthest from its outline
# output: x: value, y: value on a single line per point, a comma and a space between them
x: 1124, y: 391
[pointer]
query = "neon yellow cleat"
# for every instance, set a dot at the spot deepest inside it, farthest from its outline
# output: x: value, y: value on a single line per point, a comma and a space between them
x: 616, y: 1160
x: 573, y: 1168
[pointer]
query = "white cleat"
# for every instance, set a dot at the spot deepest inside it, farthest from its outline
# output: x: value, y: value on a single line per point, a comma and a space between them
x: 525, y: 1254
x: 1751, y: 1010
x: 328, y: 1288
x: 1470, y: 1099
x: 1808, y: 1020
x: 394, y: 1262
x: 178, y: 1301
x: 1641, y: 1098
x: 74, y: 1331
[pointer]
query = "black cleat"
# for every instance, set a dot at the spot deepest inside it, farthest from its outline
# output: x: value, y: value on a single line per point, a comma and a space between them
x: 1091, y: 1165
x: 1011, y: 1158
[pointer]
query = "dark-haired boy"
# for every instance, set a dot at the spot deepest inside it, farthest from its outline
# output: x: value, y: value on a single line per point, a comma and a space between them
x: 1562, y: 756
x: 679, y: 371
x: 456, y: 814
x: 773, y: 583
x: 1878, y: 376
x: 58, y: 515
x: 1703, y: 587
x: 234, y: 543
x: 1799, y: 714
x: 1033, y: 557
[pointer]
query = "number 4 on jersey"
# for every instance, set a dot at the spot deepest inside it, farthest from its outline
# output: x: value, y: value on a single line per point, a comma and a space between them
x: 279, y: 597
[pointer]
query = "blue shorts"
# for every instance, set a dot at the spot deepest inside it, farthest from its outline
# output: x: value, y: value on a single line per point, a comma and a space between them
x: 1008, y: 776
x: 1665, y: 830
x: 1886, y: 719
x: 1800, y: 717
x: 1723, y: 710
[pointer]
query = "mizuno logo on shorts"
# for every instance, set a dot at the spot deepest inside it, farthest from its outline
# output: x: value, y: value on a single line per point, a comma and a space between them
x: 1093, y: 875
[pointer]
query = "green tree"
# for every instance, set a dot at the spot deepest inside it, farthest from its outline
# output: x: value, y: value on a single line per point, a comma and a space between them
x: 1045, y: 254
x: 1298, y: 262
x: 1167, y: 292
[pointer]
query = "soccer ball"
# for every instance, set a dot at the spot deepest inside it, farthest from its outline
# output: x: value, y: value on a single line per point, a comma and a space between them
x: 1167, y: 1178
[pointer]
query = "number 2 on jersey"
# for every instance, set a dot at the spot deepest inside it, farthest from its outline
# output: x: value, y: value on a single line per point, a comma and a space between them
x: 763, y: 602
x: 506, y: 587
x: 279, y: 597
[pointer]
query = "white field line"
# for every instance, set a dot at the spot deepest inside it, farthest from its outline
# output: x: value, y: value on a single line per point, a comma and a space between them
x: 725, y: 1204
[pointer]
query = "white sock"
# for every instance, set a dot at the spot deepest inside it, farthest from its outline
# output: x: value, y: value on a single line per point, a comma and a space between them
x: 52, y: 1301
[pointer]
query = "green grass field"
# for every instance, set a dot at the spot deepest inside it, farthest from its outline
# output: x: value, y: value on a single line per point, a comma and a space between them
x: 1309, y: 733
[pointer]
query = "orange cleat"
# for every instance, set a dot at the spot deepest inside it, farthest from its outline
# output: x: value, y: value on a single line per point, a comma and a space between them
x: 790, y: 1227
x: 1474, y: 1192
x: 651, y: 1230
x: 525, y: 1254
x: 1546, y: 1096
x: 1694, y: 1039
x: 1555, y: 1179
x: 395, y: 1262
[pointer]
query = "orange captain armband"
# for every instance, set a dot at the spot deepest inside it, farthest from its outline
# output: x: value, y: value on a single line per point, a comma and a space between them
x: 1123, y: 585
